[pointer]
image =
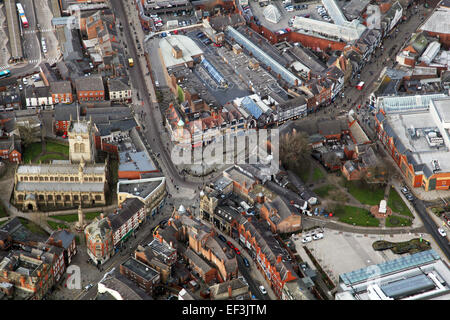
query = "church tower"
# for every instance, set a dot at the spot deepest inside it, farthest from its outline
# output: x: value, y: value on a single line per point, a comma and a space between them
x: 81, y: 141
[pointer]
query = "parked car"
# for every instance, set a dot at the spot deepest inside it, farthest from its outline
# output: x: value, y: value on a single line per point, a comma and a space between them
x: 90, y: 285
x: 405, y: 190
x: 409, y: 196
x: 247, y: 264
x: 442, y: 232
x: 230, y: 245
x: 306, y: 239
x: 237, y: 251
x: 318, y: 236
x: 221, y: 237
x: 262, y: 289
x: 316, y: 211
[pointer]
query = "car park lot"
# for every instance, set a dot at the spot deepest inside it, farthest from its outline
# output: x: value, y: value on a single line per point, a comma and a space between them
x: 341, y: 252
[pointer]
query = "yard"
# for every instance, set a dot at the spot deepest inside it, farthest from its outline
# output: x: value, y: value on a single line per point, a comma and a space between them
x: 396, y: 203
x: 57, y: 147
x: 33, y: 227
x: 355, y: 216
x: 55, y: 225
x: 365, y: 194
x: 47, y: 158
x: 74, y: 217
x: 395, y: 221
x: 317, y: 175
x: 324, y: 191
x: 32, y: 151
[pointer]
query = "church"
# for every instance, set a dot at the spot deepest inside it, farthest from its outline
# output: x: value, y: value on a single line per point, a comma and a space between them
x: 64, y: 183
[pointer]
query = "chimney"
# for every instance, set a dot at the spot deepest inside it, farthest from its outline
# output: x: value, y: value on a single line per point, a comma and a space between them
x: 230, y: 291
x: 279, y: 259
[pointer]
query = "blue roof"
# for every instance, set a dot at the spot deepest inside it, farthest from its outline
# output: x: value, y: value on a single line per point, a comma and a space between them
x: 252, y: 107
x: 388, y: 267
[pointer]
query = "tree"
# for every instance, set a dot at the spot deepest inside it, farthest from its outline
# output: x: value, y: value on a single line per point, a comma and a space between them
x: 28, y: 135
x: 295, y: 149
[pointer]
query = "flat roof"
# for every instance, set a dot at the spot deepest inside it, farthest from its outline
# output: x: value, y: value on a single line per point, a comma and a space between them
x: 442, y: 107
x: 188, y: 47
x: 141, y: 269
x: 135, y: 161
x: 420, y: 149
x: 438, y: 22
x: 142, y: 187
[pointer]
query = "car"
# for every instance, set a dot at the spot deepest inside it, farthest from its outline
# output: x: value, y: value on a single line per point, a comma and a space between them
x: 262, y: 289
x: 218, y: 45
x: 237, y: 251
x: 318, y: 236
x: 306, y: 239
x: 247, y: 264
x: 360, y: 85
x: 404, y: 190
x: 20, y: 87
x: 156, y: 83
x: 153, y: 15
x: 159, y: 24
x: 230, y: 245
x: 316, y: 211
x: 90, y: 285
x: 409, y: 196
x: 221, y: 237
x: 442, y: 232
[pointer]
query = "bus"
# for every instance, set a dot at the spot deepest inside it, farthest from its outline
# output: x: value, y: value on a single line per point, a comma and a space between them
x: 5, y: 74
x: 22, y: 16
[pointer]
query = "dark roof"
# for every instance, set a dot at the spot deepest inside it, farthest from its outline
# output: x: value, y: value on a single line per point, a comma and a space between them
x: 129, y: 208
x: 60, y: 87
x: 64, y: 111
x: 118, y: 85
x: 89, y: 83
x: 105, y: 129
x: 65, y: 236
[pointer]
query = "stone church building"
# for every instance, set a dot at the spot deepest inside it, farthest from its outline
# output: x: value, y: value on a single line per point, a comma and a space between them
x: 74, y: 182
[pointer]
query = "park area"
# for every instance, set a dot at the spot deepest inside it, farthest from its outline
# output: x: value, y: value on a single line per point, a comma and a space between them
x: 45, y: 152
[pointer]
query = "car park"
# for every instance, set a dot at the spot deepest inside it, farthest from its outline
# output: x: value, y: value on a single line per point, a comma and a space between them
x: 318, y: 236
x: 442, y: 232
x: 262, y: 289
x: 306, y: 239
x: 221, y: 237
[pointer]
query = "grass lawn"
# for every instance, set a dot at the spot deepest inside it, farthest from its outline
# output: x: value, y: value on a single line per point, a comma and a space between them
x: 74, y: 217
x: 357, y: 216
x: 395, y: 221
x: 48, y: 157
x: 317, y: 174
x: 324, y: 190
x: 57, y: 147
x: 365, y: 195
x: 303, y: 171
x: 32, y: 227
x: 32, y: 151
x: 2, y: 212
x: 55, y: 225
x: 396, y: 203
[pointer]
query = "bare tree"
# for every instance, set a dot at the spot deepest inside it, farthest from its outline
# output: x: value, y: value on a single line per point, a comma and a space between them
x: 294, y: 149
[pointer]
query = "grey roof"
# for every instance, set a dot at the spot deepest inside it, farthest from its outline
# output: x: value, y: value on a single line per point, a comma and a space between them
x: 197, y: 260
x: 60, y: 186
x: 141, y: 269
x: 64, y: 111
x: 90, y: 83
x: 141, y: 188
x: 63, y: 168
x: 65, y: 236
x: 127, y: 289
x: 106, y: 129
x: 60, y: 87
x: 118, y: 85
x: 129, y: 208
x: 139, y: 161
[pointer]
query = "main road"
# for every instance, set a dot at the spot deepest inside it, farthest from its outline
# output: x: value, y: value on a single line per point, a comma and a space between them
x: 152, y: 127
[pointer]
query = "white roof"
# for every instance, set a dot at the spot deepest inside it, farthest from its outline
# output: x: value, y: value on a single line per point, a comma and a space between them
x: 272, y: 14
x: 438, y: 22
x: 350, y: 32
x: 187, y: 46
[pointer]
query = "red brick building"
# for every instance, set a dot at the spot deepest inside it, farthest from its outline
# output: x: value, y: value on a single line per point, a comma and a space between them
x: 90, y: 89
x: 61, y: 92
x: 10, y: 149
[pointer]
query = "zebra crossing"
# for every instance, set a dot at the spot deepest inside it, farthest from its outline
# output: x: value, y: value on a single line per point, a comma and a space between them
x: 30, y: 31
x: 4, y: 67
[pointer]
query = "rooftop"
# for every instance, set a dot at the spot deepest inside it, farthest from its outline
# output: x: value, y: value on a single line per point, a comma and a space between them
x: 187, y: 46
x: 142, y: 187
x: 141, y: 269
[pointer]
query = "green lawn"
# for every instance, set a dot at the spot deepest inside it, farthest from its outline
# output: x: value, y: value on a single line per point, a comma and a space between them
x: 49, y: 157
x: 324, y: 190
x: 32, y: 151
x: 57, y: 147
x: 302, y: 171
x: 395, y: 221
x: 74, y: 217
x: 3, y: 212
x: 32, y: 227
x: 396, y: 203
x: 365, y: 195
x: 357, y: 216
x: 55, y: 225
x: 317, y: 174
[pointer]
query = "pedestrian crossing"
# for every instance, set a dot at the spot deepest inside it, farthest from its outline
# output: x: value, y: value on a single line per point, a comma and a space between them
x: 4, y: 67
x: 30, y: 31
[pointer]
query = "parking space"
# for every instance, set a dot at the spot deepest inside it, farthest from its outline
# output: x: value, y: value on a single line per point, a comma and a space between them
x: 175, y: 20
x: 341, y: 252
x: 298, y: 9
